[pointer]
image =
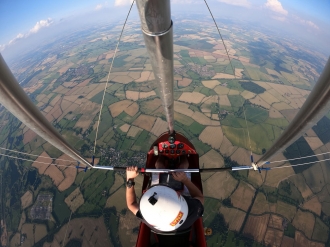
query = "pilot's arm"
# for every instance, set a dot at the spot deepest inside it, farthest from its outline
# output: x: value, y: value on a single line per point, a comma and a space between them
x: 131, y: 173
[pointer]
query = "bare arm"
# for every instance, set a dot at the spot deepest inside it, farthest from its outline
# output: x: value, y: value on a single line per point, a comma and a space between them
x: 131, y: 173
x: 193, y: 190
x: 131, y: 200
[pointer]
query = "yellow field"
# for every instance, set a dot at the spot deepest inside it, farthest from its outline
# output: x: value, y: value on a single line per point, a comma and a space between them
x: 211, y: 159
x: 314, y: 142
x: 220, y: 185
x: 55, y: 174
x: 260, y: 204
x: 233, y: 217
x: 43, y: 158
x: 269, y: 98
x: 100, y: 88
x: 223, y: 76
x: 132, y: 95
x: 241, y: 156
x: 204, y: 120
x: 144, y: 76
x: 144, y: 95
x: 281, y: 106
x: 119, y: 107
x: 273, y: 113
x: 133, y: 131
x: 124, y: 127
x: 242, y: 197
x: 211, y: 83
x: 233, y: 92
x: 117, y: 200
x: 193, y: 97
x: 259, y: 101
x: 183, y: 108
x: 247, y: 94
x: 132, y: 109
x: 227, y: 147
x: 184, y: 82
x: 144, y: 122
x: 159, y: 127
x: 221, y: 90
x: 74, y: 200
x: 212, y: 136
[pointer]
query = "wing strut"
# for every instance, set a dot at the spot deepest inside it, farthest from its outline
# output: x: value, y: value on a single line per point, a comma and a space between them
x: 156, y: 25
x: 13, y: 97
x: 314, y: 108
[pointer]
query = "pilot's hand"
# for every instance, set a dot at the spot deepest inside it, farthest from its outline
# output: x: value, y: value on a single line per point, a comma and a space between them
x: 180, y: 176
x: 131, y: 172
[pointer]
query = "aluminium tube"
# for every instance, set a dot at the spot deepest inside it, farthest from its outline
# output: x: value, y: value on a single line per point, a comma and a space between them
x: 156, y: 24
x: 314, y: 108
x: 13, y: 97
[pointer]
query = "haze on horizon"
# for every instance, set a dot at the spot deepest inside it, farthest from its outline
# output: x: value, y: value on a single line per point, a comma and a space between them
x: 29, y: 25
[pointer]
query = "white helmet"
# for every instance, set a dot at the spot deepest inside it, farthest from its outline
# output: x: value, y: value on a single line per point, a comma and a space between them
x: 163, y: 208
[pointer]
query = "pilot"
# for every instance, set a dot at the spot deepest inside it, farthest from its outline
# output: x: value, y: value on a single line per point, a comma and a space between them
x: 162, y: 208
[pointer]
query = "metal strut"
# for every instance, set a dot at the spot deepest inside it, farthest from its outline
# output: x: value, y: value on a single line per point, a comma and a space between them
x: 156, y: 25
x: 13, y: 97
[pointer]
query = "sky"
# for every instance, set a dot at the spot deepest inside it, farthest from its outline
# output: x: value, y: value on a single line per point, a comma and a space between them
x: 21, y: 20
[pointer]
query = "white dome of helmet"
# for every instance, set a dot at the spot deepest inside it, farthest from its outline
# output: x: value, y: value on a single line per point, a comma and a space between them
x: 163, y: 208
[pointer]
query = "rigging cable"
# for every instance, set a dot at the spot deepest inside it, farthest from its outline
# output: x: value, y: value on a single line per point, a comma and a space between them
x: 35, y: 155
x: 278, y: 161
x: 106, y: 84
x: 45, y: 163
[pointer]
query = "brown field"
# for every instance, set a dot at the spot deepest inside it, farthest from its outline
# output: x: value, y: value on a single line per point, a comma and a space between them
x: 40, y: 231
x: 273, y: 237
x: 220, y: 185
x: 275, y: 221
x: 215, y: 117
x: 256, y: 226
x: 213, y: 136
x: 117, y: 200
x: 65, y: 68
x: 260, y: 205
x: 278, y: 96
x: 211, y: 83
x: 65, y: 104
x: 69, y: 84
x: 27, y: 199
x: 74, y: 200
x: 90, y: 231
x: 124, y: 79
x: 55, y: 100
x: 132, y: 95
x: 119, y: 107
x: 159, y: 127
x: 183, y: 108
x: 72, y: 108
x: 133, y: 131
x: 119, y: 181
x: 300, y: 183
x: 29, y: 136
x: 302, y: 241
x: 226, y: 147
x: 314, y: 142
x: 259, y: 101
x: 124, y: 127
x: 144, y: 95
x: 223, y: 100
x: 44, y: 158
x: 184, y: 82
x: 58, y: 90
x: 273, y: 113
x: 144, y: 76
x: 281, y: 106
x: 71, y: 98
x: 238, y: 73
x: 69, y: 178
x: 65, y: 160
x: 233, y: 217
x: 211, y: 159
x: 204, y: 120
x: 28, y: 230
x: 55, y: 174
x: 278, y: 175
x: 22, y: 221
x: 100, y: 87
x: 256, y: 179
x: 145, y: 122
x: 242, y: 197
x: 287, y: 242
x: 315, y: 179
x: 193, y: 97
x: 286, y: 210
x: 313, y: 205
x: 311, y: 133
x: 127, y: 223
x: 40, y: 97
x: 247, y: 94
x: 304, y: 221
x: 132, y: 109
x: 221, y: 90
x: 273, y: 72
x: 289, y: 114
x: 241, y: 156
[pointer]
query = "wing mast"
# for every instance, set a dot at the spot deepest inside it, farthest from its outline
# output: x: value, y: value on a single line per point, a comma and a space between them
x: 314, y: 108
x: 156, y: 25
